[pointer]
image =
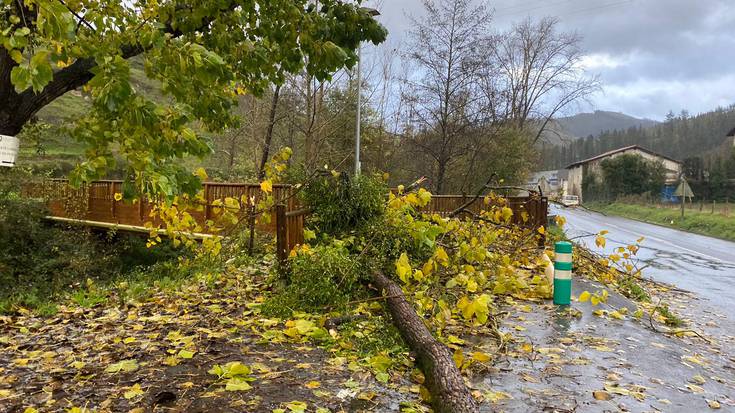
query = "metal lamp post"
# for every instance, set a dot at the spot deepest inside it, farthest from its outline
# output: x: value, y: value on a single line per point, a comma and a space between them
x: 372, y: 12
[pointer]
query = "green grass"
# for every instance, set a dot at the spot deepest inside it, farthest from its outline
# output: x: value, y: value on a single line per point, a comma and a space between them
x: 694, y: 221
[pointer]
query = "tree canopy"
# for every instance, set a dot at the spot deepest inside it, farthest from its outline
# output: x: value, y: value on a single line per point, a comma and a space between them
x: 203, y: 53
x: 632, y: 175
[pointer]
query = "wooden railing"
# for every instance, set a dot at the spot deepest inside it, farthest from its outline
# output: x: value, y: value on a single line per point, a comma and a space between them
x: 96, y: 203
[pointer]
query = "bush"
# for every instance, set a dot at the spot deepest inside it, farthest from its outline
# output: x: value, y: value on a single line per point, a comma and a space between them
x: 342, y: 204
x: 40, y: 262
x: 324, y: 277
x: 38, y: 256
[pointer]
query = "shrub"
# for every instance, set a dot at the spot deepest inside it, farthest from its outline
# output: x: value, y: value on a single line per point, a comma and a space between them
x: 40, y: 261
x: 342, y: 204
x: 37, y: 256
x: 324, y: 277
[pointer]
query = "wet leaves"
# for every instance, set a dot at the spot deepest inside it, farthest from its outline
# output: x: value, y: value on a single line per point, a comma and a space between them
x: 122, y: 366
x: 601, y: 395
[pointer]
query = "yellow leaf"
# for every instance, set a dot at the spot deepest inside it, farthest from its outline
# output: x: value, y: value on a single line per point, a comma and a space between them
x: 584, y: 296
x: 266, y: 186
x: 693, y: 359
x: 560, y: 221
x: 424, y: 197
x: 506, y: 214
x: 481, y: 357
x: 713, y: 404
x: 133, y: 392
x: 237, y: 384
x: 601, y: 395
x: 698, y: 379
x: 458, y: 358
x: 124, y: 365
x: 496, y: 396
x: 312, y: 385
x: 600, y: 241
x: 440, y: 255
x: 617, y: 315
x: 403, y: 268
x: 201, y: 173
x: 541, y: 230
x: 118, y: 196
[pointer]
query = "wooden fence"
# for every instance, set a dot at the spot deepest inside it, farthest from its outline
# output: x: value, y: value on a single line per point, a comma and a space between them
x: 95, y: 203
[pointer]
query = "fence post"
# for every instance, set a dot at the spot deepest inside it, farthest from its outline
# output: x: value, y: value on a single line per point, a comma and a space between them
x: 206, y: 201
x: 112, y: 198
x: 542, y: 218
x: 281, y: 234
x: 713, y: 206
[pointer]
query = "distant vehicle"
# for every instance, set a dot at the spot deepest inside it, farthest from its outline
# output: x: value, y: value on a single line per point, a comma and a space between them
x: 570, y: 200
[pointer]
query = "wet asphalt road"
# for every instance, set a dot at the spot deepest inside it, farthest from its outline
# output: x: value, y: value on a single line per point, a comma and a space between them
x: 702, y: 265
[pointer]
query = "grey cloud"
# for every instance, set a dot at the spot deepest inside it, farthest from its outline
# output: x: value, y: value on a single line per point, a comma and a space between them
x: 664, y: 45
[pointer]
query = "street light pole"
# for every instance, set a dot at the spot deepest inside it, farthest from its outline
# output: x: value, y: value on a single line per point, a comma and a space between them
x: 373, y: 13
x: 359, y: 107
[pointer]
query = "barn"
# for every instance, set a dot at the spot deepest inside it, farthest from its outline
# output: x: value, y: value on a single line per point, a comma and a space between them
x: 578, y: 170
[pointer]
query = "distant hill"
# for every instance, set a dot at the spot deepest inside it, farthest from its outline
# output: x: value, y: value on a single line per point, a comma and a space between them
x: 583, y: 125
x: 681, y: 137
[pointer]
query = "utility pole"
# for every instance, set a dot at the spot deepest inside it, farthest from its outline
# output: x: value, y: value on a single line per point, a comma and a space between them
x: 373, y: 13
x: 359, y: 107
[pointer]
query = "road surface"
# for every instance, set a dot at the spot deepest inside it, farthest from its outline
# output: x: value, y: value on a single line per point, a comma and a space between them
x: 702, y: 265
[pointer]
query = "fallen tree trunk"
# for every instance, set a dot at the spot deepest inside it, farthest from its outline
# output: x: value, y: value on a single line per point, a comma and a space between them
x: 449, y: 394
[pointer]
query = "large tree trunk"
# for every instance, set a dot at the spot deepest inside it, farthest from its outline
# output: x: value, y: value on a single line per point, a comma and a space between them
x: 441, y: 176
x: 449, y: 394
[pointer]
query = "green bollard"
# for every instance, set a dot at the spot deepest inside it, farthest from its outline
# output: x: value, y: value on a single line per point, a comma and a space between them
x: 563, y: 273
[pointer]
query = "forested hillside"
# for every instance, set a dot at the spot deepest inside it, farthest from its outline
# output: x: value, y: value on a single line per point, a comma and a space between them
x: 680, y: 136
x: 599, y: 122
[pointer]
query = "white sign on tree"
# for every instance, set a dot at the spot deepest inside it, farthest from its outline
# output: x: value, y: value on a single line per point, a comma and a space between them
x: 8, y: 150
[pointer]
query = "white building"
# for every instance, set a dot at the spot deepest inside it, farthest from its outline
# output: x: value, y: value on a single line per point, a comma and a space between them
x: 578, y: 170
x: 552, y: 183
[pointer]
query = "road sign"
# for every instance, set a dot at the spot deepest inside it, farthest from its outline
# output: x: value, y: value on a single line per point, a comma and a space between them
x: 684, y: 190
x: 8, y: 150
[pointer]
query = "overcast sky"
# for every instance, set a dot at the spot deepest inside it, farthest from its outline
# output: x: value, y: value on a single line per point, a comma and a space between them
x: 652, y: 55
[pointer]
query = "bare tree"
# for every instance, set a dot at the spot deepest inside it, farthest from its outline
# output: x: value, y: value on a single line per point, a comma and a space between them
x: 539, y: 74
x: 446, y: 47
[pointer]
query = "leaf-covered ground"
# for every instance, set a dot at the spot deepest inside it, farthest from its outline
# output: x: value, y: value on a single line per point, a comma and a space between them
x: 592, y: 361
x: 159, y: 356
x: 205, y: 347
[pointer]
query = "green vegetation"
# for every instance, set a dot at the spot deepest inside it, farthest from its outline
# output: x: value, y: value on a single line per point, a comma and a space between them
x: 698, y: 222
x: 342, y: 204
x: 622, y: 176
x: 683, y: 136
x: 329, y: 271
x: 327, y: 277
x: 202, y: 59
x: 670, y: 319
x: 42, y: 264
